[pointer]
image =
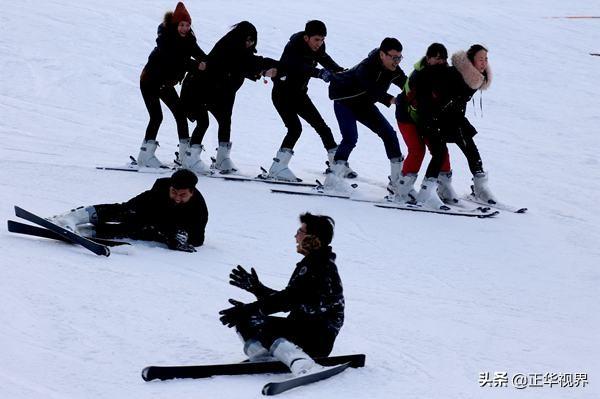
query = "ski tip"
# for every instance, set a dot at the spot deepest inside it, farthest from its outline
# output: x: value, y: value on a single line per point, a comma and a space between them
x: 146, y: 374
x: 488, y: 215
x: 267, y: 389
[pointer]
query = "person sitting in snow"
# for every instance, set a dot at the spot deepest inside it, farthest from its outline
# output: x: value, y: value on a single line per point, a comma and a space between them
x: 354, y: 94
x: 172, y: 212
x: 314, y: 297
x: 167, y: 64
x: 442, y: 120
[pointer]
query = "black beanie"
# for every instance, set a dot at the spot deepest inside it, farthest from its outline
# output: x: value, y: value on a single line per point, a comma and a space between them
x: 314, y: 28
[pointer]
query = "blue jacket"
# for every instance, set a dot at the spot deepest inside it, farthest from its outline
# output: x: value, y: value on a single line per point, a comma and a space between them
x: 366, y: 83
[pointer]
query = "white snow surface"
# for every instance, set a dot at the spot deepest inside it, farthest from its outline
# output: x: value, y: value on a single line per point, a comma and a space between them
x: 432, y: 300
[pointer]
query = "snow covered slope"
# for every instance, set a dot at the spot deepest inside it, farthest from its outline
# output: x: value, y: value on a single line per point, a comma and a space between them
x: 432, y: 300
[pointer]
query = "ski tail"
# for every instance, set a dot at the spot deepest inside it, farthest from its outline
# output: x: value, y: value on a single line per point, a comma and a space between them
x: 27, y: 229
x: 90, y: 245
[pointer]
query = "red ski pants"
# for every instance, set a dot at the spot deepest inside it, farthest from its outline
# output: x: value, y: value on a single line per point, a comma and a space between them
x: 416, y: 150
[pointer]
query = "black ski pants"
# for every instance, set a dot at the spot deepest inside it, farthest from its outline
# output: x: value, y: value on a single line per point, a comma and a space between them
x: 120, y: 221
x: 292, y: 106
x: 221, y: 110
x: 314, y: 337
x: 463, y: 138
x: 153, y: 92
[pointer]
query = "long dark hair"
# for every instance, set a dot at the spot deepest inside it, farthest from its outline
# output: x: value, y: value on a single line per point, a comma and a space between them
x: 242, y: 31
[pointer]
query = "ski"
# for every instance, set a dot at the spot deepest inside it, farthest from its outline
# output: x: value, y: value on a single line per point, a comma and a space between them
x: 319, y: 193
x: 275, y: 388
x: 262, y: 179
x: 454, y: 211
x: 204, y: 371
x: 497, y: 205
x: 96, y: 248
x: 27, y: 229
x: 133, y: 167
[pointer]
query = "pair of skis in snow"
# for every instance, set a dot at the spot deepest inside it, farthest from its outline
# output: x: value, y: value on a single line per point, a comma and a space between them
x: 332, y: 366
x: 51, y: 230
x: 478, y: 209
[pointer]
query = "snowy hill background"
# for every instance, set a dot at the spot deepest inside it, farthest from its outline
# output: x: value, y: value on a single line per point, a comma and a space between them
x: 432, y: 300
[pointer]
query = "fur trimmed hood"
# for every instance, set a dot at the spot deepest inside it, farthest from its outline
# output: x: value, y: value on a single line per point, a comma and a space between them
x: 472, y: 77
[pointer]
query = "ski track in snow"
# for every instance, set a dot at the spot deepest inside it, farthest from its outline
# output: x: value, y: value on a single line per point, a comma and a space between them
x: 432, y: 300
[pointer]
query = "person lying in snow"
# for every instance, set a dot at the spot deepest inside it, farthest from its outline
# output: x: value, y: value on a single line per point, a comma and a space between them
x: 172, y: 212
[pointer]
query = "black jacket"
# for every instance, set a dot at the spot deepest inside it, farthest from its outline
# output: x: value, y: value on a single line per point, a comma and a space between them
x: 154, y: 208
x: 298, y: 64
x: 313, y: 295
x: 172, y: 56
x: 227, y: 65
x: 442, y: 97
x: 366, y: 83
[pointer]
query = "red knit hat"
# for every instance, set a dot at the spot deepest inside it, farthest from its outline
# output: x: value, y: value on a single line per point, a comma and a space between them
x: 181, y: 14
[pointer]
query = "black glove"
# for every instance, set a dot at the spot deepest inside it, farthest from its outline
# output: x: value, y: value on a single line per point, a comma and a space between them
x: 239, y: 312
x: 246, y: 281
x: 179, y: 242
x: 325, y: 75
